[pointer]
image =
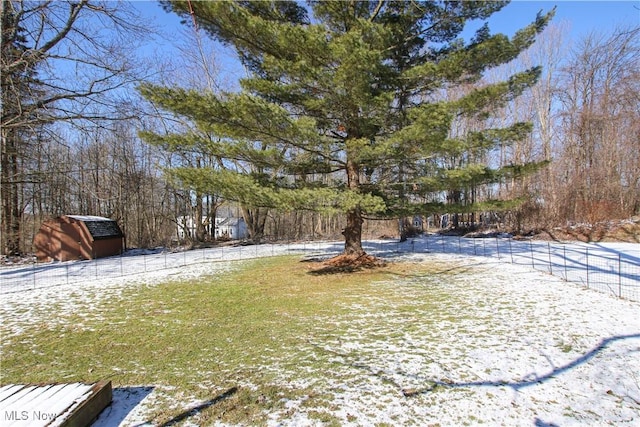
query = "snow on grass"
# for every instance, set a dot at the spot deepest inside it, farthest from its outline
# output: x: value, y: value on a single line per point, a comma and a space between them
x: 482, y: 342
x: 612, y: 268
x: 504, y: 346
x: 83, y: 299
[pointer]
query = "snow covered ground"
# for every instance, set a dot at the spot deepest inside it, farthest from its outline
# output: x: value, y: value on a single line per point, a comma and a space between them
x: 531, y: 349
x: 612, y: 268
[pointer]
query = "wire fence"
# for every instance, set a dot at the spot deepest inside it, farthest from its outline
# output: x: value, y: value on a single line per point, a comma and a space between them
x: 609, y: 268
x: 40, y: 275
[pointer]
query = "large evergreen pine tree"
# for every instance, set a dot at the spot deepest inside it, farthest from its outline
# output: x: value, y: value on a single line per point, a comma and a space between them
x: 345, y: 107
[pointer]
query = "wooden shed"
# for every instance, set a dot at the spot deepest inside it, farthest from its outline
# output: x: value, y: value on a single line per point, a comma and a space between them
x: 73, y: 237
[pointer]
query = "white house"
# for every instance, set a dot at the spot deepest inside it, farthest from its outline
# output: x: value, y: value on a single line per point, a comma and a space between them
x: 220, y: 227
x: 232, y: 228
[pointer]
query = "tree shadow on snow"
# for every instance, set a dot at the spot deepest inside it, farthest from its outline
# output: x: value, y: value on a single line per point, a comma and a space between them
x: 126, y: 399
x: 516, y: 385
x: 539, y: 423
x: 190, y: 412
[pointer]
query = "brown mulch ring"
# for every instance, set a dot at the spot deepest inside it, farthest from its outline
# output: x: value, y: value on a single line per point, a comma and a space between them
x: 348, y: 264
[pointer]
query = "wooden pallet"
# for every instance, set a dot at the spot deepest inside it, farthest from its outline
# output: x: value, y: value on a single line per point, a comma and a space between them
x: 64, y: 405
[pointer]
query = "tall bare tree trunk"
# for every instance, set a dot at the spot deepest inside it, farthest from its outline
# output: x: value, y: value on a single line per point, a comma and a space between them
x: 255, y: 218
x: 10, y: 194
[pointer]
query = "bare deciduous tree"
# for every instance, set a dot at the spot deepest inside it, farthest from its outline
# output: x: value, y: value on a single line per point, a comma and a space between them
x: 62, y: 61
x: 601, y: 127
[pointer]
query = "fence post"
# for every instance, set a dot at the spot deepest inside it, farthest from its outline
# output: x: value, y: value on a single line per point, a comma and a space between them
x: 564, y: 256
x: 66, y: 265
x: 34, y: 276
x: 619, y: 277
x: 533, y: 264
x: 498, y: 247
x: 511, y: 250
x: 550, y: 264
x: 587, y: 262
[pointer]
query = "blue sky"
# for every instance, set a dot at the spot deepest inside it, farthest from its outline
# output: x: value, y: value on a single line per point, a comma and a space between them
x: 583, y: 17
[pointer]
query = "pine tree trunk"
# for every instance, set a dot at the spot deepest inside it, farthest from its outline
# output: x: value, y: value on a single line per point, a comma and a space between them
x: 353, y: 231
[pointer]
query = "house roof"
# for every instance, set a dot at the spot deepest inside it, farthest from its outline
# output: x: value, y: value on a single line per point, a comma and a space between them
x: 230, y: 221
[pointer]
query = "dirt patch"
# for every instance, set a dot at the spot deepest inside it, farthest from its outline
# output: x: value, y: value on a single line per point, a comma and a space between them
x: 347, y: 264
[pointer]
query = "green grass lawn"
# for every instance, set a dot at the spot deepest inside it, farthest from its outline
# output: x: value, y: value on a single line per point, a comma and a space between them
x: 258, y: 333
x: 425, y: 340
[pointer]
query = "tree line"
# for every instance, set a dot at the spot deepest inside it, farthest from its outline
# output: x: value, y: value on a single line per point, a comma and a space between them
x: 363, y: 122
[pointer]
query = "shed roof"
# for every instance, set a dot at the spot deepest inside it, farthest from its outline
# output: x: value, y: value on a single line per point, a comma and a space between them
x: 99, y: 227
x: 88, y: 218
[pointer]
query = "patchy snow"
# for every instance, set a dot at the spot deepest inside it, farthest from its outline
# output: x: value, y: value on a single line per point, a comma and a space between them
x: 612, y: 268
x: 557, y: 354
x: 533, y: 350
x: 139, y: 262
